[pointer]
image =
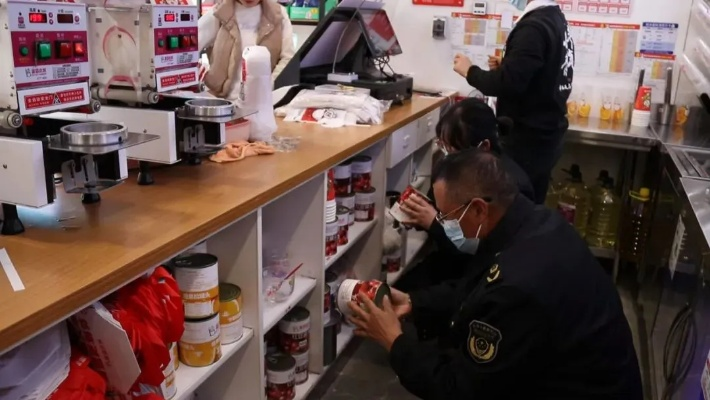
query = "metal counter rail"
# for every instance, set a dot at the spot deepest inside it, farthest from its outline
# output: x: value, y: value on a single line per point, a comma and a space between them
x: 595, y: 132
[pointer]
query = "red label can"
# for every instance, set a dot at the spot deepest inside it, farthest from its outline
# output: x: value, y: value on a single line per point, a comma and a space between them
x: 350, y: 288
x: 365, y: 205
x: 361, y: 169
x: 331, y: 237
x: 294, y: 331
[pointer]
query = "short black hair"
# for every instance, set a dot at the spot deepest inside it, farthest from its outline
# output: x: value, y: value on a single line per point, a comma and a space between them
x: 469, y: 122
x: 474, y: 173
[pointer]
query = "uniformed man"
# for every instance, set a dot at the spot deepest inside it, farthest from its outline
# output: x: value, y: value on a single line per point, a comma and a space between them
x: 542, y: 321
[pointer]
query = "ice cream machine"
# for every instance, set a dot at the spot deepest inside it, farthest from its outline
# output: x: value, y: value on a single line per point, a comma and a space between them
x: 45, y: 67
x: 145, y: 74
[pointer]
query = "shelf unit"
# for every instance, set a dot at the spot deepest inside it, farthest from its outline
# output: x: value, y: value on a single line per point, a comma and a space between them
x: 294, y: 223
x: 409, y: 158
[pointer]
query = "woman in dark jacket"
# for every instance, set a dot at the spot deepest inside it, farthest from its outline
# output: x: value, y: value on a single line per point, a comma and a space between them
x: 467, y: 124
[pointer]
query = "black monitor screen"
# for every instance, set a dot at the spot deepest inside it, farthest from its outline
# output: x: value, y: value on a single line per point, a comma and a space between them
x: 380, y: 34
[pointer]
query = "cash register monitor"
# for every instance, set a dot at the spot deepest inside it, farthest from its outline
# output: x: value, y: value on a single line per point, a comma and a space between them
x: 346, y: 40
x: 379, y: 33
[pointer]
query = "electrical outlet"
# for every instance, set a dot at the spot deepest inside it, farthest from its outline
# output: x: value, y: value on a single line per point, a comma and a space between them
x: 438, y: 28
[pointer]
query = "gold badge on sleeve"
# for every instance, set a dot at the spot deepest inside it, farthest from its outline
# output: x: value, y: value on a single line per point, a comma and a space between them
x: 493, y: 274
x: 483, y: 340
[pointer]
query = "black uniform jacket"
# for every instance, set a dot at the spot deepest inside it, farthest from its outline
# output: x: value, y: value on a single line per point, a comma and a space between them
x: 544, y: 321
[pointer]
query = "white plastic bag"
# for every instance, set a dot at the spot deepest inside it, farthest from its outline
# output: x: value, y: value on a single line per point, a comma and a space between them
x: 255, y: 92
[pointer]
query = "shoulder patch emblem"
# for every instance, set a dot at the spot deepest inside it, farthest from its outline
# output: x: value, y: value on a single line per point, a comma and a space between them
x: 483, y: 341
x: 493, y: 274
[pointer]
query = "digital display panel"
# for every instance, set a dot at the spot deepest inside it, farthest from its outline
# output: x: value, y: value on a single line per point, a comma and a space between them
x: 38, y: 18
x: 169, y: 17
x: 65, y: 18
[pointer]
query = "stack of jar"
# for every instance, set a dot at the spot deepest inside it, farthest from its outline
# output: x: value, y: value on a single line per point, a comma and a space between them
x: 213, y: 310
x: 353, y: 188
x: 287, y: 357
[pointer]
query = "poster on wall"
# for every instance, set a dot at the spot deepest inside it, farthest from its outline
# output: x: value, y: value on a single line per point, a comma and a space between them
x: 444, y: 3
x: 603, y: 48
x: 477, y: 36
x: 658, y: 38
x: 612, y: 8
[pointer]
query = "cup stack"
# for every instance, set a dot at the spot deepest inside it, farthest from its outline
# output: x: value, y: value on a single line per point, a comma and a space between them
x: 641, y: 116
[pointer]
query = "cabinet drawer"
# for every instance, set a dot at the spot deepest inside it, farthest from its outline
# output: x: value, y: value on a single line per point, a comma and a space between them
x: 402, y: 143
x: 427, y: 128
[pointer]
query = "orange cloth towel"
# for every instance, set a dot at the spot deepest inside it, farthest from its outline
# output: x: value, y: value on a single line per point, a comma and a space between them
x: 240, y: 150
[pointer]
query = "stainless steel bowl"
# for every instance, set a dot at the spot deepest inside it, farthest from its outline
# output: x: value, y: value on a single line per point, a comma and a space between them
x: 94, y: 134
x: 209, y: 107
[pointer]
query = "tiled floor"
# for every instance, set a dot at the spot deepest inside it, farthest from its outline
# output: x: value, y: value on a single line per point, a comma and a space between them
x: 363, y: 372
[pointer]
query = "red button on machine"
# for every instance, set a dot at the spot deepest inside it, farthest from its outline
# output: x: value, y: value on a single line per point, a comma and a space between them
x: 79, y: 50
x: 64, y: 49
x: 184, y: 41
x: 193, y: 40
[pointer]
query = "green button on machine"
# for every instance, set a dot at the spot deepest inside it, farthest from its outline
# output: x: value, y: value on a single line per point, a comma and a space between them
x: 44, y: 50
x: 161, y: 43
x: 24, y: 51
x: 173, y: 42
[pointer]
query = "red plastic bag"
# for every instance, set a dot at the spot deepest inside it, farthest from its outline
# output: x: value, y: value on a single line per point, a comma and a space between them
x: 83, y: 383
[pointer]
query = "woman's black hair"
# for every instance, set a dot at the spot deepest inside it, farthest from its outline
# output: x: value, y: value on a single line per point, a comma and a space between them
x: 469, y: 122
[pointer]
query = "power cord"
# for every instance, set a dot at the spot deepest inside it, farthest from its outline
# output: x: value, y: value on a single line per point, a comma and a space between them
x: 678, y: 361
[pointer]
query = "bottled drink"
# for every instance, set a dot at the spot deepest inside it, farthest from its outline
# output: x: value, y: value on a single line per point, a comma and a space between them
x: 604, y: 216
x: 574, y: 200
x: 634, y: 231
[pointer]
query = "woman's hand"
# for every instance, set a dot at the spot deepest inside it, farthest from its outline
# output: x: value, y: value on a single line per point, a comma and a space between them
x: 420, y: 212
x: 494, y: 62
x: 462, y: 64
x: 203, y: 69
x: 380, y: 325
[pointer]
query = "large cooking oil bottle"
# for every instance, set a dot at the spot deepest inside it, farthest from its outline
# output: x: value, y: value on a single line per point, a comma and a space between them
x: 599, y: 183
x: 604, y: 216
x: 574, y: 200
x: 553, y: 194
x: 635, y: 226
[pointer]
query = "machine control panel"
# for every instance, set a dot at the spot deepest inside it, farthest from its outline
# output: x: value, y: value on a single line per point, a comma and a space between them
x: 175, y: 39
x: 48, y: 50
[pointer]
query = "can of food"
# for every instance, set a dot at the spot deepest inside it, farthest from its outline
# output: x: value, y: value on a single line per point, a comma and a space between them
x: 365, y: 205
x: 198, y: 278
x: 331, y: 237
x: 301, y: 367
x: 343, y: 214
x: 350, y: 288
x: 361, y: 168
x: 348, y: 201
x: 173, y: 347
x: 392, y: 262
x: 396, y: 209
x: 200, y: 345
x: 342, y: 178
x: 280, y: 377
x: 168, y: 389
x: 230, y: 313
x: 294, y: 329
x: 327, y: 304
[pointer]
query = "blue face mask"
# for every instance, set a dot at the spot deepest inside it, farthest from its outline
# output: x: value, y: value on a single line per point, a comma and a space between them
x: 519, y: 4
x: 452, y: 229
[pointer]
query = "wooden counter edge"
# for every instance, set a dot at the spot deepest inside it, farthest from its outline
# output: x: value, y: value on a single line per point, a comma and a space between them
x: 35, y: 323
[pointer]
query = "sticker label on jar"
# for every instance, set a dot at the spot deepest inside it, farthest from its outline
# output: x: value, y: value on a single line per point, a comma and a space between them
x: 199, y: 290
x: 200, y: 345
x: 342, y: 172
x: 301, y: 367
x: 364, y: 212
x: 294, y: 335
x: 349, y: 290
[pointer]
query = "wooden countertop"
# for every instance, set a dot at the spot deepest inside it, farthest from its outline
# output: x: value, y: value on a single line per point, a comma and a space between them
x: 69, y: 264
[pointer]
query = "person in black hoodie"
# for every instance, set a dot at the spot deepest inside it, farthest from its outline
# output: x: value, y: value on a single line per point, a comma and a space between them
x: 532, y: 82
x: 470, y: 123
